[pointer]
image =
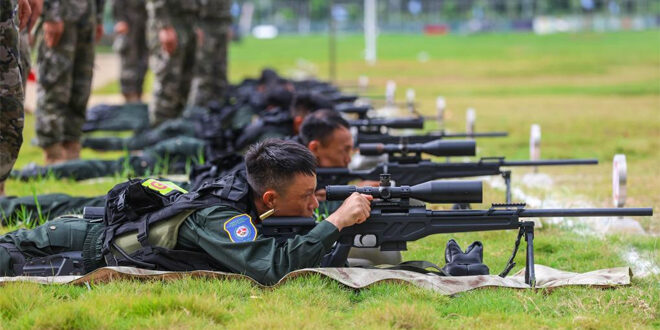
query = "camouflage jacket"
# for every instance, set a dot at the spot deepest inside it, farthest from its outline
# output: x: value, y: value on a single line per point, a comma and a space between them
x: 124, y: 10
x: 165, y: 12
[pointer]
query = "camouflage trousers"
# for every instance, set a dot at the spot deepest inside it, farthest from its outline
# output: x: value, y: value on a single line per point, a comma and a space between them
x: 65, y: 81
x: 210, y: 80
x: 11, y: 92
x: 49, y: 206
x: 66, y: 234
x: 25, y: 60
x: 173, y: 72
x: 133, y: 52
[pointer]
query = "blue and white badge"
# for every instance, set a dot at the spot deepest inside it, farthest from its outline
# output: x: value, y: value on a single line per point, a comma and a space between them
x: 241, y: 229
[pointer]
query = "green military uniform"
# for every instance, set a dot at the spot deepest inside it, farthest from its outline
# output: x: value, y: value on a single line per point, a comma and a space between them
x: 65, y: 71
x: 132, y: 46
x: 210, y: 82
x: 173, y: 72
x: 172, y: 156
x: 49, y: 206
x: 225, y: 234
x: 11, y: 90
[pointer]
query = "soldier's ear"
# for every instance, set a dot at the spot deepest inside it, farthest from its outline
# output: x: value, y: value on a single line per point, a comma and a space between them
x: 270, y: 198
x: 313, y: 146
x: 297, y: 122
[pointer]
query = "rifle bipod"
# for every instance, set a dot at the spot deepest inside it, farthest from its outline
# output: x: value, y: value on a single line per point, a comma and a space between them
x: 527, y: 230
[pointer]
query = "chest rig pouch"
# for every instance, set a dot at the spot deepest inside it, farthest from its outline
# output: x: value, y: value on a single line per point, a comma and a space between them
x: 143, y: 218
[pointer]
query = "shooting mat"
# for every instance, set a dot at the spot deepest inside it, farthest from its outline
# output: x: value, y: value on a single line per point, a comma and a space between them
x: 359, y: 278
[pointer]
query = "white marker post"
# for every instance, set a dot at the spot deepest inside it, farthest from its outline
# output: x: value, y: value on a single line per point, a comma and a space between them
x: 390, y: 90
x: 619, y: 180
x: 410, y: 100
x: 440, y: 105
x: 363, y: 84
x: 535, y: 144
x: 370, y: 31
x: 470, y: 119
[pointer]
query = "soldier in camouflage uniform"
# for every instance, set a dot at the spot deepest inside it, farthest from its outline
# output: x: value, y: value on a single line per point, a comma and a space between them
x: 213, y: 25
x: 131, y: 45
x: 66, y: 62
x: 172, y: 44
x: 11, y: 87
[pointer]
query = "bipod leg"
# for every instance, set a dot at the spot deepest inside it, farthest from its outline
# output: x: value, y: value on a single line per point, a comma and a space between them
x: 506, y: 175
x: 530, y: 275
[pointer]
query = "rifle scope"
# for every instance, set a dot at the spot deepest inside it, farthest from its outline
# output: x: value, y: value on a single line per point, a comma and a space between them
x: 435, y: 148
x: 429, y: 192
x: 360, y: 110
x: 391, y: 123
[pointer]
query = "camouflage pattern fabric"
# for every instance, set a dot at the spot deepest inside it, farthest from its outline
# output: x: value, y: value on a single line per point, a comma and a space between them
x: 173, y: 72
x: 210, y: 81
x: 65, y: 73
x: 132, y: 46
x: 359, y: 278
x: 25, y: 60
x: 11, y: 90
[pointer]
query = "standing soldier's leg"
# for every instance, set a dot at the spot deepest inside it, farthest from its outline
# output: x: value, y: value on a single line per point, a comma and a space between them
x: 210, y: 80
x: 54, y: 89
x: 133, y: 51
x: 83, y: 70
x: 24, y: 50
x: 11, y: 93
x: 172, y: 73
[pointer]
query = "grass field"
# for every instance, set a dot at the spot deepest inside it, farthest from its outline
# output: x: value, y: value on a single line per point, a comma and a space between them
x: 594, y: 95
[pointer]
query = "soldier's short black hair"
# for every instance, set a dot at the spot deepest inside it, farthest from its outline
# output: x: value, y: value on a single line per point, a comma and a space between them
x: 272, y: 164
x: 320, y: 125
x: 268, y: 76
x: 305, y: 103
x: 279, y: 96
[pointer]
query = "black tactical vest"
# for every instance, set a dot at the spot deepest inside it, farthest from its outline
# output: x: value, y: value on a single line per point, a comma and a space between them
x: 135, y: 208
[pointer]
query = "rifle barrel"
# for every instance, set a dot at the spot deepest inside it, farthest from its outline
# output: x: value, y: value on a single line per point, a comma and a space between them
x: 468, y: 135
x: 550, y: 162
x: 605, y: 212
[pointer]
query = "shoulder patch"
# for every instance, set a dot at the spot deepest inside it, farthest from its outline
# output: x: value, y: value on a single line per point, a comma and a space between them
x: 240, y: 228
x: 162, y: 187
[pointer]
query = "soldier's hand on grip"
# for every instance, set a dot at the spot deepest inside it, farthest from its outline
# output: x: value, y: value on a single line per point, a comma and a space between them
x: 355, y: 209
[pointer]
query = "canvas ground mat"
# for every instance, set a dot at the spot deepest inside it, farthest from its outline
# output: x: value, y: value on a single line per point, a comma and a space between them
x: 359, y: 278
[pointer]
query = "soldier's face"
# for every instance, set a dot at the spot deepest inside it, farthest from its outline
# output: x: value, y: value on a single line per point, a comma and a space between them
x: 337, y: 150
x: 298, y: 199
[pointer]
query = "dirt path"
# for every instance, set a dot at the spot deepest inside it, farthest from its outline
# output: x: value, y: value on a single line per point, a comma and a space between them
x: 106, y: 70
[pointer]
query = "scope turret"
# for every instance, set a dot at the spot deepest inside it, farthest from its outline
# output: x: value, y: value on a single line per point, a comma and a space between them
x: 436, y: 148
x: 429, y: 192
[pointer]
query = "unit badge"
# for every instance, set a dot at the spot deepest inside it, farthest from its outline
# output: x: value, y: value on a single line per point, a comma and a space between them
x: 240, y: 228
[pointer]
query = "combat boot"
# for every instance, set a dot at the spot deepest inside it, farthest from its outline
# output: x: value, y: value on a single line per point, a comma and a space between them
x: 54, y: 154
x: 71, y: 150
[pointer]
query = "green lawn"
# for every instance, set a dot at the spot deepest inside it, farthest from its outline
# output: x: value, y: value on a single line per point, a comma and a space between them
x: 594, y: 95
